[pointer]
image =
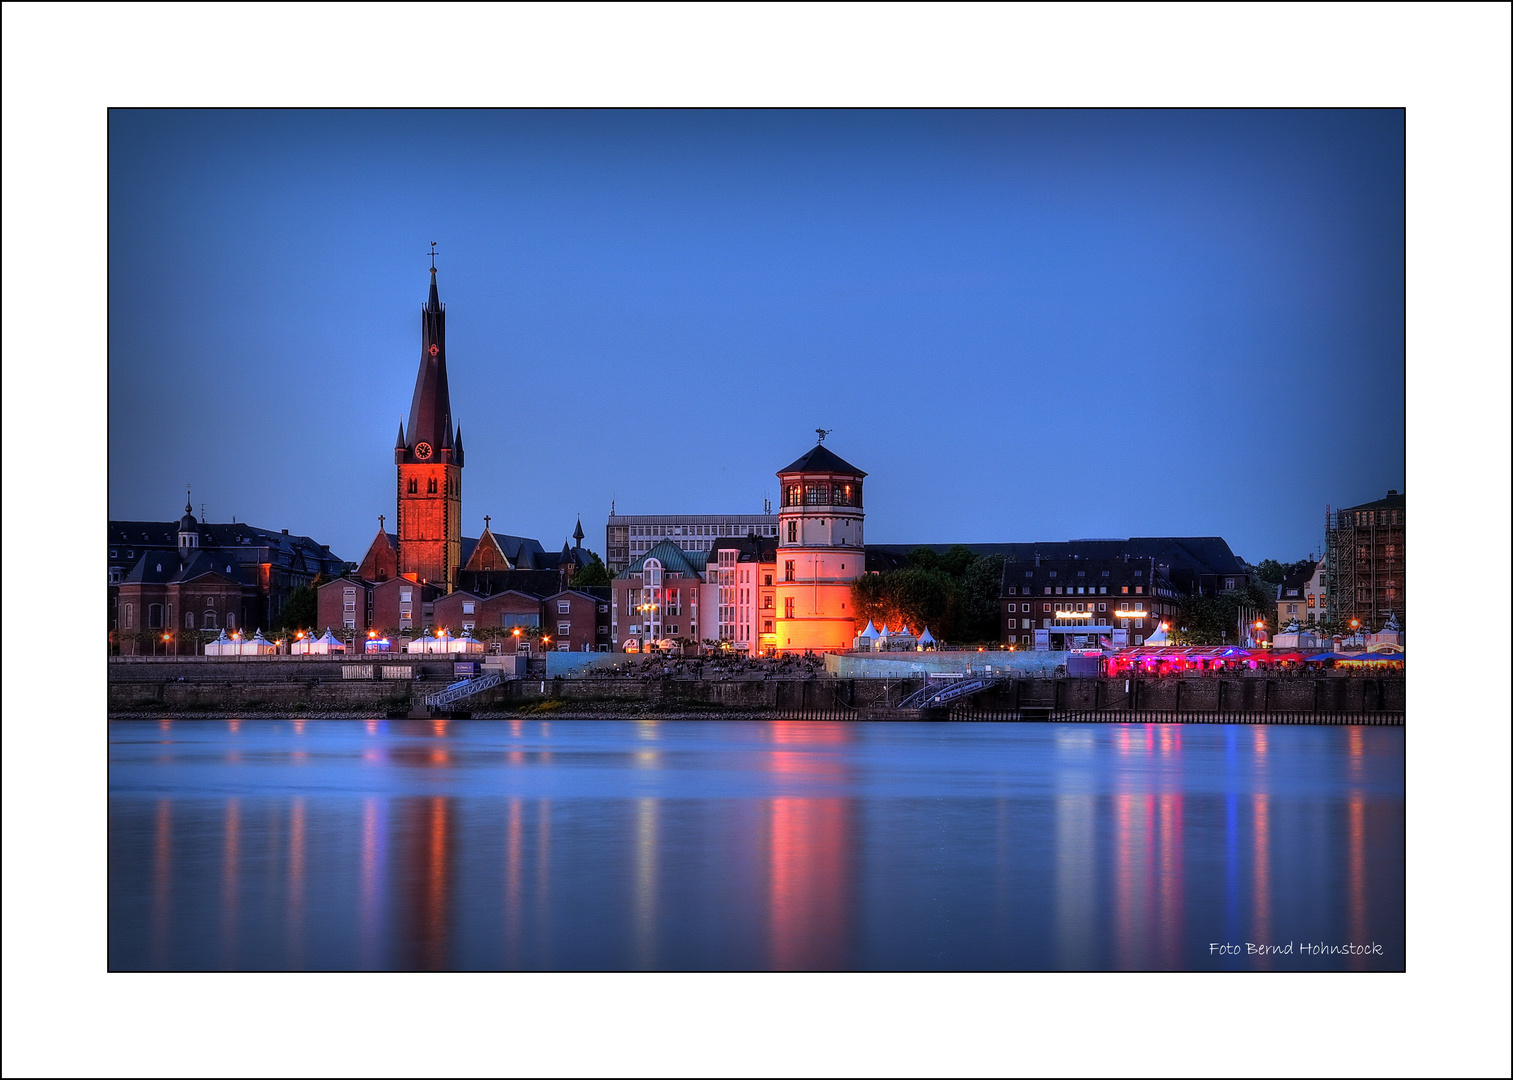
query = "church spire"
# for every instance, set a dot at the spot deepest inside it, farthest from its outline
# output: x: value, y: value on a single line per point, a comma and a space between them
x: 578, y: 533
x: 431, y: 406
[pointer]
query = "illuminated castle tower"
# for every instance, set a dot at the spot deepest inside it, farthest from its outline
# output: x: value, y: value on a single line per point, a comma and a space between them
x: 819, y: 552
x: 428, y: 454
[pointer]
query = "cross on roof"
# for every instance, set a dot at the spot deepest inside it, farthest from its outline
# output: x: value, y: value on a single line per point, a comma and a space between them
x: 433, y: 254
x: 380, y: 523
x: 486, y: 520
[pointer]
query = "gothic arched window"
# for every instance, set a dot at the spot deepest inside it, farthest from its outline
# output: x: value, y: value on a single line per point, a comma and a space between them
x: 413, y: 488
x: 431, y: 486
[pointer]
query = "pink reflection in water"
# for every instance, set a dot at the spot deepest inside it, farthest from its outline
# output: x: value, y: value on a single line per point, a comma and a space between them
x: 807, y: 886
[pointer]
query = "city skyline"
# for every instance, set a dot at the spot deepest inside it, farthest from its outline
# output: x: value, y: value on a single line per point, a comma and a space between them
x: 633, y: 296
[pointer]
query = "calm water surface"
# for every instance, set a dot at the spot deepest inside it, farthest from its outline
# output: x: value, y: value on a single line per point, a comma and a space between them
x: 401, y: 844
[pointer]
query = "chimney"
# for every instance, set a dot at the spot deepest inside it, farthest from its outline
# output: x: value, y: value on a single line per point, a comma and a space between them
x: 1391, y: 491
x: 286, y: 532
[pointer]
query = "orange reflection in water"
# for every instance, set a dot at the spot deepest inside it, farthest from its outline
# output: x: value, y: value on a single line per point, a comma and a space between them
x: 231, y: 853
x: 162, y: 883
x: 513, y: 830
x: 808, y: 888
x: 427, y: 827
x: 372, y: 877
x: 1358, y: 929
x: 1169, y: 928
x: 1134, y: 865
x: 295, y: 934
x: 1261, y: 886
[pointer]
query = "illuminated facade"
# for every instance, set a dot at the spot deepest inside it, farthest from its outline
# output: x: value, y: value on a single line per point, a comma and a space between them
x: 428, y: 456
x: 820, y: 552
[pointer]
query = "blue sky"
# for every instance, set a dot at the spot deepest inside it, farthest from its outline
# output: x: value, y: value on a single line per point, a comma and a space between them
x: 1024, y: 325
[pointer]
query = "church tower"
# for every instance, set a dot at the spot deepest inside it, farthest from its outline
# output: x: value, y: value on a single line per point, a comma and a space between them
x: 428, y: 453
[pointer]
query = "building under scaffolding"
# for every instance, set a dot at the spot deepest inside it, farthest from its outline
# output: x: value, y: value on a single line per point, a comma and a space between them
x: 1365, y: 564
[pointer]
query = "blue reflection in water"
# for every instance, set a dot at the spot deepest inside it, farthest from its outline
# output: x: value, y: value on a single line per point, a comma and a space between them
x: 274, y: 844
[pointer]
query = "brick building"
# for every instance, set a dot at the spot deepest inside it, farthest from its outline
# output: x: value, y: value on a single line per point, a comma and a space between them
x: 1366, y: 563
x: 187, y: 574
x: 1084, y: 603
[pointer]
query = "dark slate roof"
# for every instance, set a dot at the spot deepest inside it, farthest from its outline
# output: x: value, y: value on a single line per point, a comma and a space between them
x: 1193, y: 554
x: 748, y: 549
x: 1393, y: 501
x: 285, y: 550
x: 1297, y: 579
x: 821, y: 460
x: 530, y: 582
x: 164, y: 568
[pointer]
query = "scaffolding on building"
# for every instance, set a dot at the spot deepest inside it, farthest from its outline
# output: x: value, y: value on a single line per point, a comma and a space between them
x: 1364, y: 564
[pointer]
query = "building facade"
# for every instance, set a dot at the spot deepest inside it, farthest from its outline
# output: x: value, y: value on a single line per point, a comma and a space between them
x: 628, y: 538
x: 245, y: 575
x: 1077, y: 603
x: 1366, y: 560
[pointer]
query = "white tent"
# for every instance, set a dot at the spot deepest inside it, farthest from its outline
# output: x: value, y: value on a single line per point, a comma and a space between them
x: 221, y: 646
x: 1158, y: 638
x: 257, y: 645
x: 324, y: 645
x: 467, y: 643
x: 428, y: 644
x: 925, y: 638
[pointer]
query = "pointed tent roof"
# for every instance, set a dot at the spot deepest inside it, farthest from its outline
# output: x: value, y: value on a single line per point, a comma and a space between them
x: 870, y: 632
x: 821, y: 460
x: 925, y: 638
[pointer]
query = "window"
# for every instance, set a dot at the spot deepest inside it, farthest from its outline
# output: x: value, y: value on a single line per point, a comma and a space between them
x: 603, y: 629
x: 405, y: 594
x: 1011, y: 590
x: 115, y: 574
x: 1124, y: 624
x: 1140, y: 607
x: 208, y: 622
x: 793, y: 532
x: 1124, y: 589
x: 1029, y: 573
x: 411, y: 488
x: 405, y: 613
x: 1058, y: 590
x: 787, y: 575
x: 1053, y: 573
x: 1048, y: 590
x: 1105, y: 573
x: 788, y: 607
x: 767, y: 602
x: 1229, y: 583
x: 188, y: 620
x: 1082, y: 573
x: 767, y: 580
x: 1047, y: 607
x: 431, y: 486
x: 154, y: 615
x: 766, y: 626
x: 1139, y: 638
x: 1139, y: 588
x: 1139, y: 623
x: 1102, y: 607
x: 128, y: 617
x: 467, y: 607
x: 563, y: 607
x: 564, y: 629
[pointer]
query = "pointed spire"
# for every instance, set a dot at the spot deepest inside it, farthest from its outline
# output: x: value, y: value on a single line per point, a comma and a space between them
x: 431, y: 407
x: 399, y: 441
x: 446, y: 434
x: 458, y: 441
x: 188, y: 502
x: 578, y: 532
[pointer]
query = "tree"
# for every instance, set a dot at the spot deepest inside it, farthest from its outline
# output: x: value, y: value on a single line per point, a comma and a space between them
x: 299, y: 611
x: 595, y: 573
x: 1272, y: 571
x: 924, y: 558
x: 957, y: 560
x: 981, y: 586
x: 916, y: 596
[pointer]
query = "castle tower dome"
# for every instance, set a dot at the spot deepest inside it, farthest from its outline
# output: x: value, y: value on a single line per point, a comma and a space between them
x: 820, y: 552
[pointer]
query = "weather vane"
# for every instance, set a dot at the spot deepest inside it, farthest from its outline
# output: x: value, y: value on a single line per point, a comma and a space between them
x: 822, y: 432
x: 433, y: 254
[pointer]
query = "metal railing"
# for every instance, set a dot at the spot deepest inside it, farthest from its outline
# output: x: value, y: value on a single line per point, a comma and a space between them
x: 465, y: 689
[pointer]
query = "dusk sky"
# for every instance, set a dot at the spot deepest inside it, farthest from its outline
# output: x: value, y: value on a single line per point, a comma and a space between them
x: 1023, y: 325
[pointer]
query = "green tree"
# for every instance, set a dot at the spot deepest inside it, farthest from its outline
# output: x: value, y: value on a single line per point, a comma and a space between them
x: 595, y: 573
x: 924, y: 558
x: 957, y: 560
x: 299, y: 610
x: 981, y: 586
x: 1272, y: 571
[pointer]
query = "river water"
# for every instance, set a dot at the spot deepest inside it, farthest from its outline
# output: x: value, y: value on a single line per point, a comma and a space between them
x: 714, y: 845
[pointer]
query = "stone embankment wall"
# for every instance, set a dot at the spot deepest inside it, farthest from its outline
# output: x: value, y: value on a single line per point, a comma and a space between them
x: 298, y: 684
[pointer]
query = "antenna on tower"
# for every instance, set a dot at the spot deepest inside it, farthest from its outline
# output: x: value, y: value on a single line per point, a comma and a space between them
x: 822, y: 432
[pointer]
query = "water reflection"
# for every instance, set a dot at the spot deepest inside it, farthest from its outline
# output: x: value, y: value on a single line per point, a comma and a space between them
x: 791, y: 846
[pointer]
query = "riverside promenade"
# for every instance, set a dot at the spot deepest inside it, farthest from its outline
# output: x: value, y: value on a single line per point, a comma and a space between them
x: 618, y: 686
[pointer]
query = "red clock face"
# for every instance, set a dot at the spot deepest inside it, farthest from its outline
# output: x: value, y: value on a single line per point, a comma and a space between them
x: 434, y: 350
x: 423, y: 451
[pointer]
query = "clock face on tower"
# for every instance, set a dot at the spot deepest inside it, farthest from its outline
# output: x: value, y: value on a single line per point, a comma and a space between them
x: 423, y: 451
